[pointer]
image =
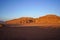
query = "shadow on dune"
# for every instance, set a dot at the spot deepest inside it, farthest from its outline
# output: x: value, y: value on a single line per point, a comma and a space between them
x: 29, y: 33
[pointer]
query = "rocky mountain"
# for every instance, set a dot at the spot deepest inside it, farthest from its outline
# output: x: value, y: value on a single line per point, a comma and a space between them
x: 22, y: 20
x: 48, y: 20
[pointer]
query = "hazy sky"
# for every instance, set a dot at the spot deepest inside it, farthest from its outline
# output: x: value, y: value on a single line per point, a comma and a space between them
x: 10, y: 9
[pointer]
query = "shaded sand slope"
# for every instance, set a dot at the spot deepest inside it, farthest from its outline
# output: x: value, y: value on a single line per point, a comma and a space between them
x: 30, y: 33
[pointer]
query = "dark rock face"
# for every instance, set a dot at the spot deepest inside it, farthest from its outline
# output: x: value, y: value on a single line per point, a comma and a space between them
x: 29, y: 33
x: 29, y: 21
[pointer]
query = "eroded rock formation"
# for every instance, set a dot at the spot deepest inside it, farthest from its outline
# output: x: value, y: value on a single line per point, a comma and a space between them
x: 44, y: 20
x: 22, y: 20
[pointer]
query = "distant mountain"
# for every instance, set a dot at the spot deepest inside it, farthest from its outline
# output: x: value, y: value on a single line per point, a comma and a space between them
x: 2, y: 23
x: 48, y: 20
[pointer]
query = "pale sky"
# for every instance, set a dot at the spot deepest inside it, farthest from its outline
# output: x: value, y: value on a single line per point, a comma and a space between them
x: 11, y: 9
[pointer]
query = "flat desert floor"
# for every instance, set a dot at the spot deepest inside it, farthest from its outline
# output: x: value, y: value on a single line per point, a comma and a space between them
x: 29, y: 33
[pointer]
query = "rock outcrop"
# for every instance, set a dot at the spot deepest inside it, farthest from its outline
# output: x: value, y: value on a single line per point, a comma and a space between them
x: 22, y: 20
x: 48, y: 20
